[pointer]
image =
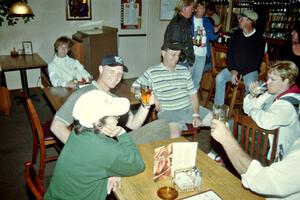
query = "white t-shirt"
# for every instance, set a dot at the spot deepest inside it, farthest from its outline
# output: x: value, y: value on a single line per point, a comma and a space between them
x: 199, y: 51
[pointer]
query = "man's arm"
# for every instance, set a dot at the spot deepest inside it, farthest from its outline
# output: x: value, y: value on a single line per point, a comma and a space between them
x: 195, y: 103
x: 221, y: 133
x: 60, y: 130
x: 136, y: 120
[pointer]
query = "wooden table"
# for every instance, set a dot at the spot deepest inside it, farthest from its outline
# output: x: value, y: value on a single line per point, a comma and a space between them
x: 56, y: 96
x: 214, y: 177
x: 22, y: 63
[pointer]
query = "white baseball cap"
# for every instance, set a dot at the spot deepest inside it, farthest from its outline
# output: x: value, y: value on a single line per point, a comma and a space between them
x: 96, y: 104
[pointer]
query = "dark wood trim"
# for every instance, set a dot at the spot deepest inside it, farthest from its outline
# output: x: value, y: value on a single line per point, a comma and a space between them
x: 132, y: 35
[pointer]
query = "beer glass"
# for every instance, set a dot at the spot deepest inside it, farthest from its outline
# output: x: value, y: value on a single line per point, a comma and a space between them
x: 146, y: 91
x: 220, y: 112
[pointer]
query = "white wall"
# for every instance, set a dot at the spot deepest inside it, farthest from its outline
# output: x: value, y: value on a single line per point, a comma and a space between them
x: 50, y: 22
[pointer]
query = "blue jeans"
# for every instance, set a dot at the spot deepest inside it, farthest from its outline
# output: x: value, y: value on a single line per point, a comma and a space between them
x: 197, y: 70
x: 223, y: 77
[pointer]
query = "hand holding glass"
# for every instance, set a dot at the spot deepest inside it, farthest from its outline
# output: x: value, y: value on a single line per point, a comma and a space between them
x: 257, y: 88
x: 220, y: 112
x: 145, y: 94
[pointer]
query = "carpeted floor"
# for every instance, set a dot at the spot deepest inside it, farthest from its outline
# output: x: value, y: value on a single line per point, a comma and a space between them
x: 16, y: 146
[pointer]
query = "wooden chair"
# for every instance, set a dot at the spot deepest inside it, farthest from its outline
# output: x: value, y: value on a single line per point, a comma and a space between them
x: 45, y: 78
x: 42, y: 137
x: 218, y: 62
x: 235, y: 93
x: 255, y: 140
x: 191, y: 130
x: 33, y: 181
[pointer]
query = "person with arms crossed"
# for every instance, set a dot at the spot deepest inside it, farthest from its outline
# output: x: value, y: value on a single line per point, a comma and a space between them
x: 175, y: 96
x: 91, y: 157
x: 110, y: 74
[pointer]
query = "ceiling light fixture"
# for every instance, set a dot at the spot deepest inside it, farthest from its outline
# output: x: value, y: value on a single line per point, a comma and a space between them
x: 20, y: 9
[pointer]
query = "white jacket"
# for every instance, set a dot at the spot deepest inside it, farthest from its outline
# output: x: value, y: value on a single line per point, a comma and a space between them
x: 281, y: 180
x: 269, y: 114
x: 63, y: 70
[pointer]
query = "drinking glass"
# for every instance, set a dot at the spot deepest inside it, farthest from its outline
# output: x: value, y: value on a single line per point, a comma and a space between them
x: 167, y: 193
x: 220, y: 112
x: 146, y: 91
x: 260, y: 88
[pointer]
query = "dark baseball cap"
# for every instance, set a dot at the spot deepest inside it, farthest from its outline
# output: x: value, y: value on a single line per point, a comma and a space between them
x: 176, y: 46
x: 113, y: 61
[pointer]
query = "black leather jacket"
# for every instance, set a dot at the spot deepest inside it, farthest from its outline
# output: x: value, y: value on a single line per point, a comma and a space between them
x: 178, y: 30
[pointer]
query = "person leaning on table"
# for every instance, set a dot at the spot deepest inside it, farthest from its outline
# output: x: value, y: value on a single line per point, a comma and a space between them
x: 110, y: 74
x: 64, y: 70
x: 280, y: 180
x: 91, y: 159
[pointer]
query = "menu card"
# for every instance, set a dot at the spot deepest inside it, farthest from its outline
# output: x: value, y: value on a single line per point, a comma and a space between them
x: 169, y: 158
x: 207, y: 195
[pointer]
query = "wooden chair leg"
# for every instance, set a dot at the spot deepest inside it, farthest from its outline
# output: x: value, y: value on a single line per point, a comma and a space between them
x: 42, y: 163
x: 232, y: 101
x: 35, y: 148
x: 210, y: 94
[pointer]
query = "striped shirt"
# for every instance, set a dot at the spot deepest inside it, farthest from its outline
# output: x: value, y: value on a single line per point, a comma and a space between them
x: 173, y: 88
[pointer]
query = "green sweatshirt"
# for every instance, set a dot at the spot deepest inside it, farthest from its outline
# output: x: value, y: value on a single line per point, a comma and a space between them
x: 86, y: 162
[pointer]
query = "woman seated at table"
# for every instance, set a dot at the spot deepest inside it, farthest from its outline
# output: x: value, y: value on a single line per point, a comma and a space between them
x: 91, y: 161
x: 63, y: 70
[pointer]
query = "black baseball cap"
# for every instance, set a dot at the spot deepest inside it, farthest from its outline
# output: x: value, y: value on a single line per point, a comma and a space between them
x: 176, y: 46
x: 112, y: 61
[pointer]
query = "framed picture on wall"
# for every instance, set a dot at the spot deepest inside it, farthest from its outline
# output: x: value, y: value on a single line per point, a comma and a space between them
x: 166, y: 11
x: 78, y: 9
x: 27, y: 47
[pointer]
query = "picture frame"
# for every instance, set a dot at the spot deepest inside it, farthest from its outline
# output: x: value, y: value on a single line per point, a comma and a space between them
x: 166, y: 11
x: 78, y: 10
x: 27, y: 47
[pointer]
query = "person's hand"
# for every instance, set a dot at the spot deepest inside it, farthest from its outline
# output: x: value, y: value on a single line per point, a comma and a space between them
x: 152, y: 99
x: 217, y: 28
x: 196, y: 122
x: 157, y: 104
x: 219, y: 131
x: 252, y: 87
x: 112, y: 130
x: 71, y: 84
x: 113, y: 183
x: 235, y: 77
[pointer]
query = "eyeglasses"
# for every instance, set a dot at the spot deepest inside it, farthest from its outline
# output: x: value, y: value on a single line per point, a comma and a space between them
x: 273, y: 79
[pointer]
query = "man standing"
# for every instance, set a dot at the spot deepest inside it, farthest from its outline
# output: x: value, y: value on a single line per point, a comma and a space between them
x: 244, y: 57
x: 178, y: 30
x: 175, y: 95
x: 110, y: 74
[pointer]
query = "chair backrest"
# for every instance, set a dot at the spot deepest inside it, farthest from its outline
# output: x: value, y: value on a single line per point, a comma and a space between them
x: 255, y: 141
x: 35, y: 122
x: 33, y: 181
x: 45, y: 78
x: 218, y: 57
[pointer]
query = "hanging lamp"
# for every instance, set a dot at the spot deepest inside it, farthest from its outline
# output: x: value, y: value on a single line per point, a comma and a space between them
x: 20, y: 9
